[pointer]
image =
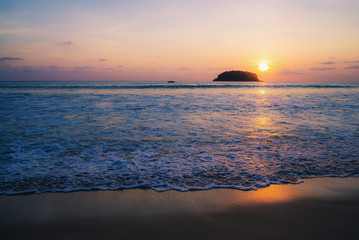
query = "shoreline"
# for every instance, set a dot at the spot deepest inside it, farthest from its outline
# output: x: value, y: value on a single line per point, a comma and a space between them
x: 318, y: 208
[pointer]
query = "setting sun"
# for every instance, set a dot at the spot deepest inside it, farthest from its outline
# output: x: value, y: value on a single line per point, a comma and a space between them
x: 263, y: 67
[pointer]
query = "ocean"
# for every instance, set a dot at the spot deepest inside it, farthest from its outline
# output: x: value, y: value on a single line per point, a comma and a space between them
x: 77, y: 136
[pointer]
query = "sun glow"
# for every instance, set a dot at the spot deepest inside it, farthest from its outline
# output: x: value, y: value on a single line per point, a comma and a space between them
x: 263, y: 66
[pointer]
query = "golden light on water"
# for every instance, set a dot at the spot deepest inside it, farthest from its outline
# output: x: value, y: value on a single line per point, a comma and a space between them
x: 263, y: 66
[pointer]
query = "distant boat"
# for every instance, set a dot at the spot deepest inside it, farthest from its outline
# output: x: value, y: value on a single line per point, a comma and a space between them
x: 171, y: 82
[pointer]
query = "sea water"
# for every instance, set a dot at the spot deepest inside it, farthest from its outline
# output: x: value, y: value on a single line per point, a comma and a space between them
x: 69, y: 136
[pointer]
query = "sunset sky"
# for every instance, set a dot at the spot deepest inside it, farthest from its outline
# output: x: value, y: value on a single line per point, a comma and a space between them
x: 189, y: 40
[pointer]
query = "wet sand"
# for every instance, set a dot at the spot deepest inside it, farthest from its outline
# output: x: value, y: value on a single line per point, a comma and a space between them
x: 326, y: 208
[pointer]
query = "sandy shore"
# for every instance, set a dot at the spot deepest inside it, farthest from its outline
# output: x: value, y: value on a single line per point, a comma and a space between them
x: 325, y: 208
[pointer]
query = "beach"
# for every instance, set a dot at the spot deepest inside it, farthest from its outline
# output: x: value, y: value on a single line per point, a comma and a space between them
x: 322, y: 208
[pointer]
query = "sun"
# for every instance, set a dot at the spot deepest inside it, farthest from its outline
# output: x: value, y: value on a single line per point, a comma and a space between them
x: 263, y: 66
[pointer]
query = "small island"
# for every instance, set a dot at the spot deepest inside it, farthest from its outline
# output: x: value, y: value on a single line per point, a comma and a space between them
x: 237, y: 76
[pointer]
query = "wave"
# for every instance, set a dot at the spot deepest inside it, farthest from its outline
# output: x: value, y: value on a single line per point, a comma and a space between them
x: 177, y: 86
x: 174, y: 141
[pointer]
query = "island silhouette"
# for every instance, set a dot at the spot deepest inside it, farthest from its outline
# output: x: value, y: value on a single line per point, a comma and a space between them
x: 237, y: 76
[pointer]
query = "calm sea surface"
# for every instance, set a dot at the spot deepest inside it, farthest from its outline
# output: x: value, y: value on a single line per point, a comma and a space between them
x: 69, y: 136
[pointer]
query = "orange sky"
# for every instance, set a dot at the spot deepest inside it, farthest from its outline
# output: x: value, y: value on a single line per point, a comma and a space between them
x: 185, y: 40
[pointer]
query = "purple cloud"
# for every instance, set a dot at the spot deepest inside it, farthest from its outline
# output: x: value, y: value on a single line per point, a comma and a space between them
x: 66, y: 43
x: 184, y: 69
x: 351, y: 62
x: 328, y: 63
x: 9, y: 59
x: 322, y: 69
x: 286, y: 71
x: 28, y: 69
x: 352, y: 67
x: 102, y: 59
x: 56, y: 68
x: 83, y: 68
x: 120, y: 66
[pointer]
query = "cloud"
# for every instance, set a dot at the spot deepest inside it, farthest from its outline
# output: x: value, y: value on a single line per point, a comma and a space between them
x: 102, y: 59
x: 120, y: 66
x: 351, y: 62
x: 82, y: 69
x: 286, y: 71
x: 9, y: 59
x: 322, y: 69
x: 184, y: 69
x: 56, y: 68
x: 78, y: 69
x: 328, y: 63
x: 14, y: 31
x: 352, y: 67
x: 66, y: 43
x: 28, y: 69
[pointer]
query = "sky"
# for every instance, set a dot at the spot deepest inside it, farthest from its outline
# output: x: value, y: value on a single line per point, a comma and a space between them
x: 189, y: 40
